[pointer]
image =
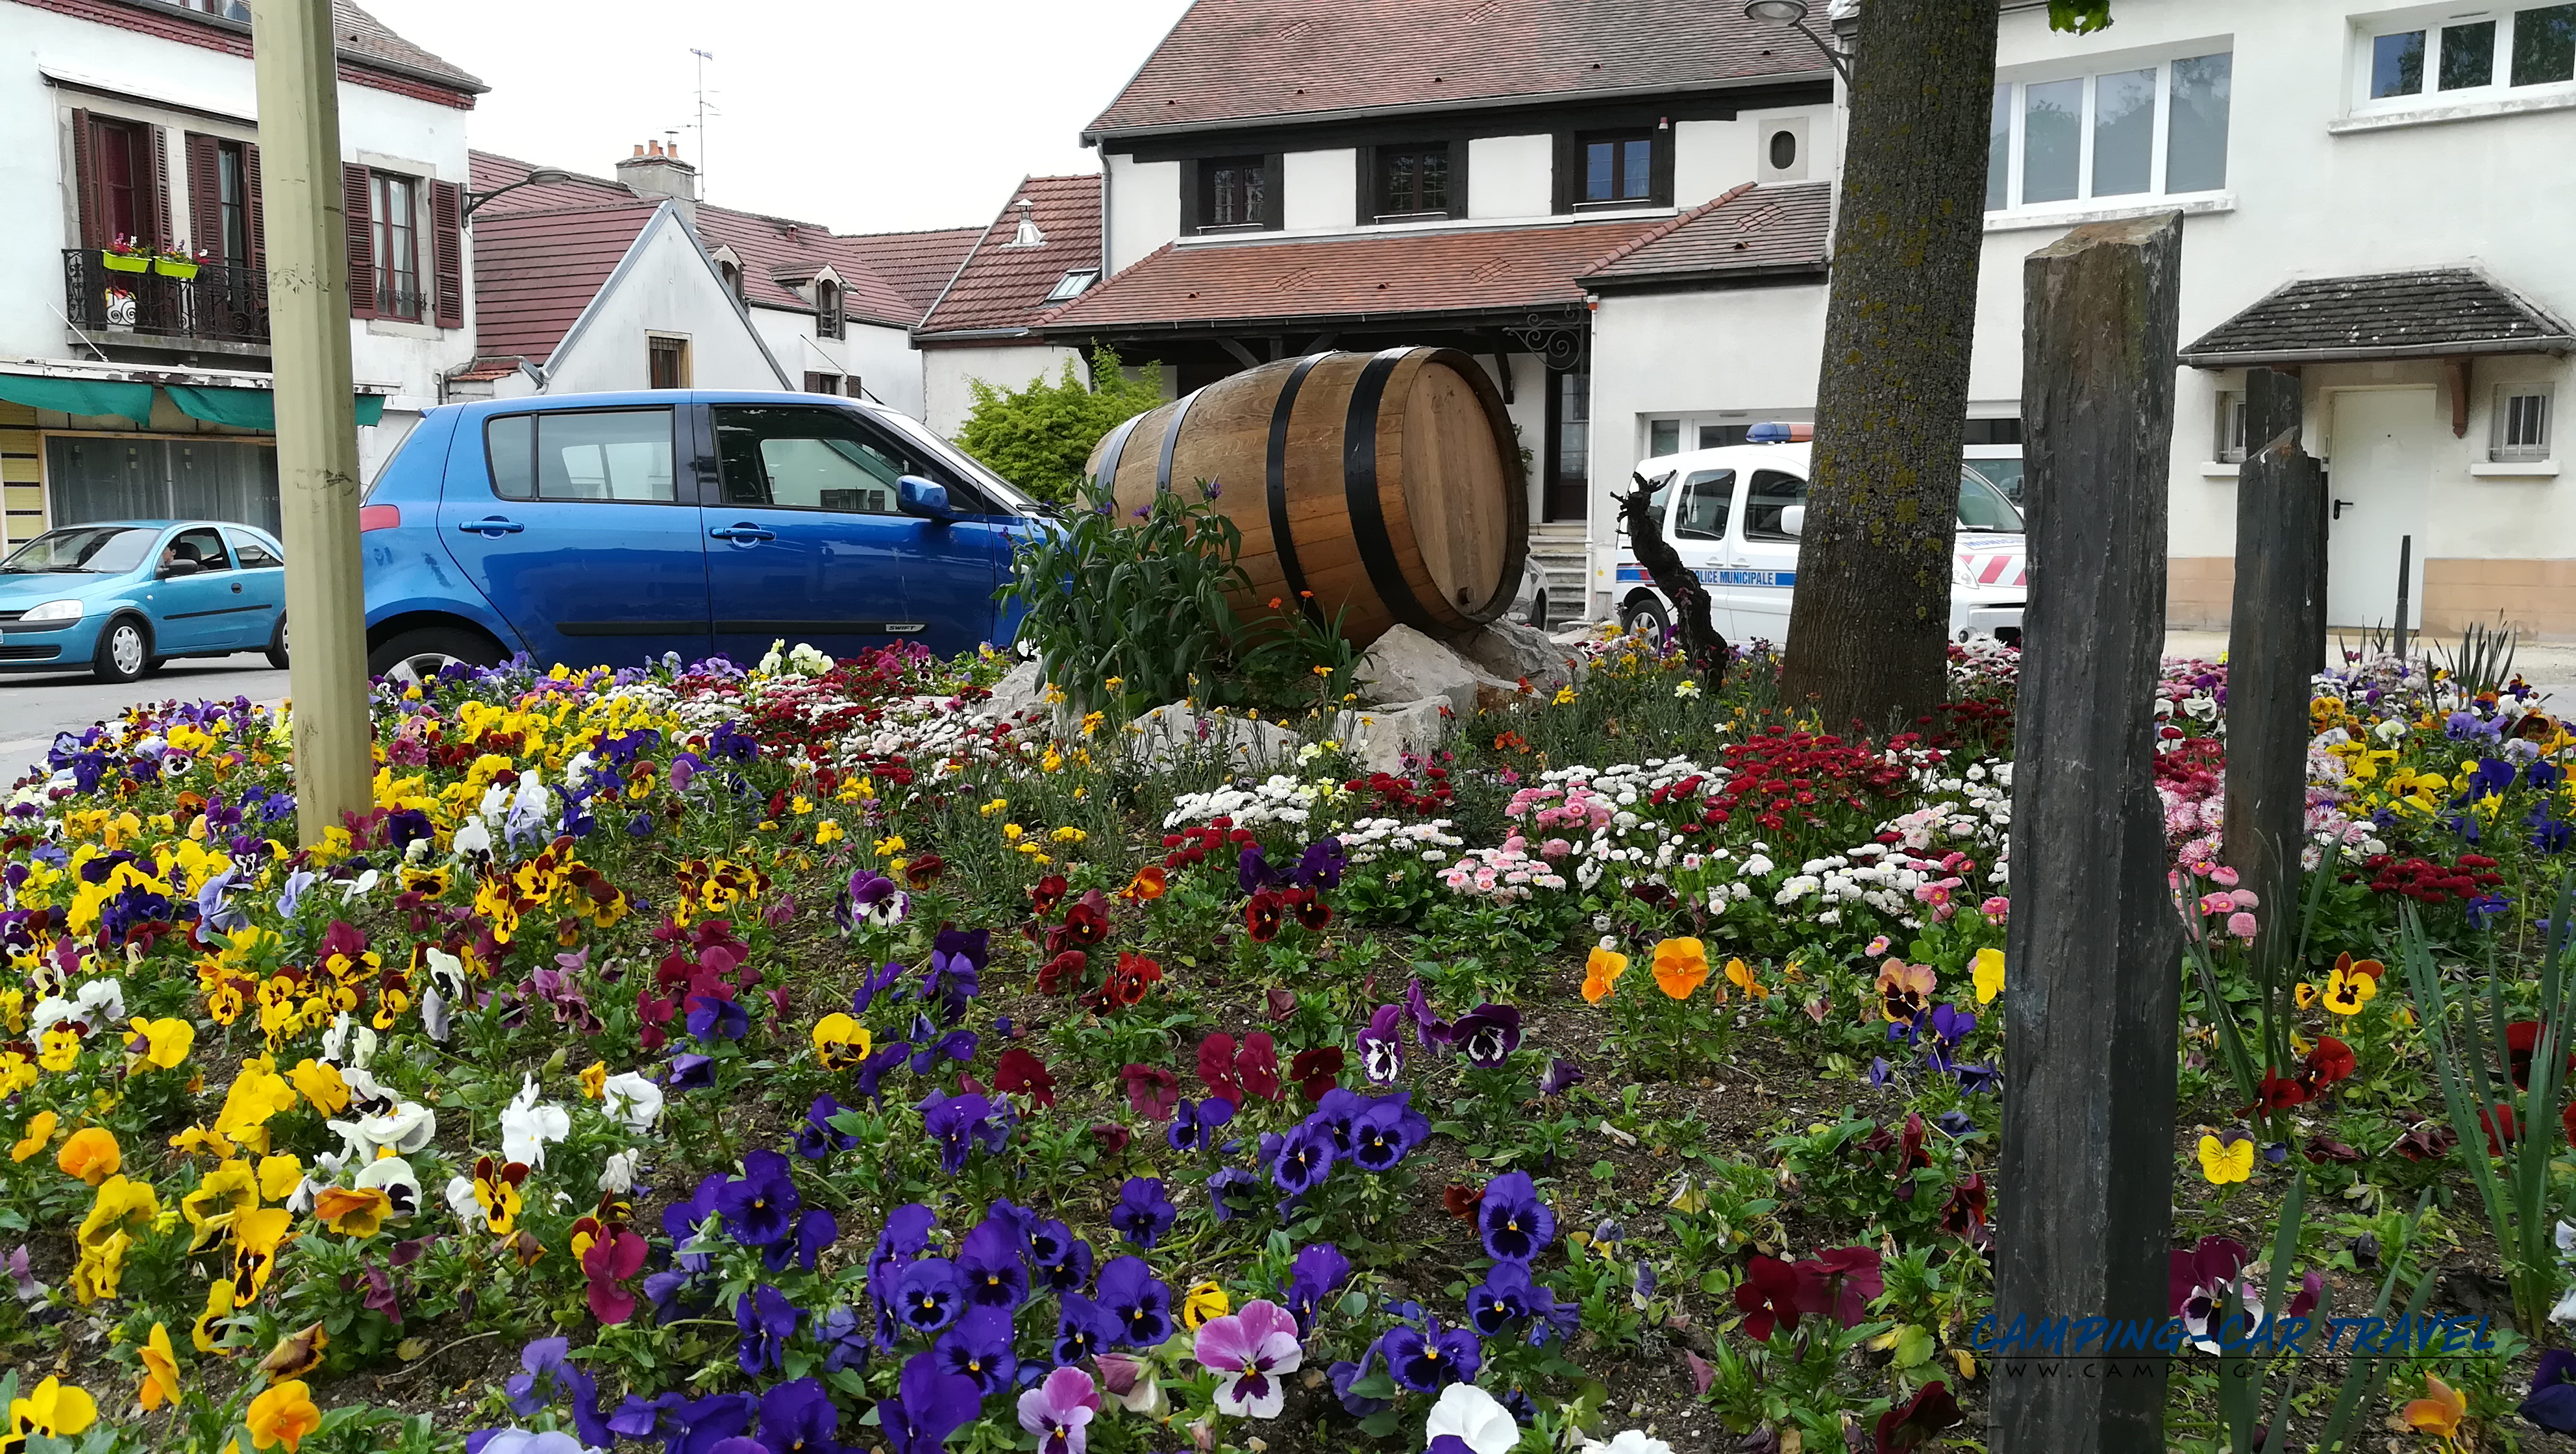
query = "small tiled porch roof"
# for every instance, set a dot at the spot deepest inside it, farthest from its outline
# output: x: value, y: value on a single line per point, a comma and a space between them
x: 1750, y: 231
x: 1389, y: 275
x: 2423, y: 313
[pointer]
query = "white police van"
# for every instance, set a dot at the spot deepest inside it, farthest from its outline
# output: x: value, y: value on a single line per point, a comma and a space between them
x: 1734, y: 514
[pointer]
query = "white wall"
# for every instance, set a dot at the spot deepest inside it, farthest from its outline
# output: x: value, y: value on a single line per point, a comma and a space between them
x: 2309, y: 196
x: 882, y: 359
x: 1144, y: 207
x: 1511, y: 176
x: 946, y: 372
x: 1753, y: 349
x: 666, y: 288
x: 1319, y: 189
x: 35, y: 174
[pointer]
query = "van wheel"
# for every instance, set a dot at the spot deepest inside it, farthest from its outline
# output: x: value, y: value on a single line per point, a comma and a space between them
x: 124, y: 651
x: 1648, y: 615
x: 416, y: 657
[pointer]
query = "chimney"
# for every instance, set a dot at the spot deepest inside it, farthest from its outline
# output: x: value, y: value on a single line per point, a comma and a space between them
x: 656, y: 171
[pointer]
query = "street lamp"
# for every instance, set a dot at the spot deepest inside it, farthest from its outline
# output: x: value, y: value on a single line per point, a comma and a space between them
x: 541, y: 174
x: 1793, y: 13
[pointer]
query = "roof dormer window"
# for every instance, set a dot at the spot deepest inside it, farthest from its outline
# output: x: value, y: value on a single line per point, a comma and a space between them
x: 1072, y: 284
x: 828, y: 319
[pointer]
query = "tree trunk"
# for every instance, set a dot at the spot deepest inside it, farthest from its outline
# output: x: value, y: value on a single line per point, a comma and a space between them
x: 1869, y: 625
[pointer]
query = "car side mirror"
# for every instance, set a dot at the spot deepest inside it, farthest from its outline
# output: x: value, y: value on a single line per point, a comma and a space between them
x: 1793, y: 519
x: 919, y: 497
x: 178, y: 568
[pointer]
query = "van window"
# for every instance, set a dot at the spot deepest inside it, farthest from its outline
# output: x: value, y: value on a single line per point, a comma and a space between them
x: 1981, y: 505
x: 1657, y: 502
x: 1707, y: 497
x: 1771, y: 492
x: 618, y: 455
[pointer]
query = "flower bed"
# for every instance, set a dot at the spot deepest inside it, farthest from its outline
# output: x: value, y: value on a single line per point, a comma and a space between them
x: 795, y: 1059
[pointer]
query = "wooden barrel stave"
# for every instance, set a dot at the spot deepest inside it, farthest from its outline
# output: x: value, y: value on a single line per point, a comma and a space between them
x: 1433, y: 494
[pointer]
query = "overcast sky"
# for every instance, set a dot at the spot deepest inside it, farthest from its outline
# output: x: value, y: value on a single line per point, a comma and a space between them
x: 867, y: 116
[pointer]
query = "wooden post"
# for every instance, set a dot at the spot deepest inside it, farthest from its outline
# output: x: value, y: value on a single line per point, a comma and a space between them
x: 2280, y: 494
x: 2094, y: 946
x: 2405, y: 574
x: 297, y: 73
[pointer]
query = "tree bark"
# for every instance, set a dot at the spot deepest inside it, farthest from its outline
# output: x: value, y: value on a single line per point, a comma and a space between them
x: 1707, y: 651
x: 1869, y: 624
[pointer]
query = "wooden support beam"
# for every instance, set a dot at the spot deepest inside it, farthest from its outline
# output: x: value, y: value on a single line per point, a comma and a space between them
x: 2271, y: 657
x: 2093, y: 950
x: 1318, y: 343
x: 1242, y: 355
x: 2458, y: 369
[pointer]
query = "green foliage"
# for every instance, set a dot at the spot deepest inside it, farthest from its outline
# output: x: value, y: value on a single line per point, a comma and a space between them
x: 1037, y: 437
x: 2083, y: 17
x: 1130, y: 612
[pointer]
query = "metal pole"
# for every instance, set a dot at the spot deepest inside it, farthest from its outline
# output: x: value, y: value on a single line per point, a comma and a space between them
x: 317, y: 433
x: 2405, y: 569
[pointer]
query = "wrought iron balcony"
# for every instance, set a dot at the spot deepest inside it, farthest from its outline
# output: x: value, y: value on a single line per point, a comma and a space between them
x: 223, y: 302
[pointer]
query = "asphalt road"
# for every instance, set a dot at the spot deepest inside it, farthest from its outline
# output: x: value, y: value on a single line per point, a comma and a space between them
x: 33, y: 708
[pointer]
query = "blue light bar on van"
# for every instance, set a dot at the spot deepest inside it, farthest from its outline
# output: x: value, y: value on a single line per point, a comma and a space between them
x: 1775, y: 432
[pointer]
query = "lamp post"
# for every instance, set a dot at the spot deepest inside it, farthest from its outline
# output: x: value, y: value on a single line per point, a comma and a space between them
x: 1793, y: 13
x: 297, y: 71
x: 541, y: 175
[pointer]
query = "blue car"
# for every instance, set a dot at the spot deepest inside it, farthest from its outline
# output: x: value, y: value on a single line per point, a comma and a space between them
x: 614, y: 528
x: 122, y: 597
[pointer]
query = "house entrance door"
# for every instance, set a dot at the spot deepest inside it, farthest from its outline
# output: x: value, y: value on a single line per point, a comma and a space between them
x: 2379, y: 472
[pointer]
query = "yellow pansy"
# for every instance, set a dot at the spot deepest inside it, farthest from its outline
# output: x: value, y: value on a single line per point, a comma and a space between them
x: 2226, y: 1161
x: 1204, y: 1301
x: 40, y: 1134
x: 1987, y: 971
x: 320, y: 1082
x: 164, y: 1043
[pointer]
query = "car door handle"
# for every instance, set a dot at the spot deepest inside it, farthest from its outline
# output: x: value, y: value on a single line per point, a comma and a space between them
x: 490, y: 525
x: 744, y: 533
x: 236, y: 588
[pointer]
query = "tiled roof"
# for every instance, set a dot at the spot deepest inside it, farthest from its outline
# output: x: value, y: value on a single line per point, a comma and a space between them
x: 1004, y: 286
x: 1484, y: 270
x: 890, y: 277
x: 916, y: 264
x: 1785, y: 225
x: 1242, y: 60
x: 361, y: 34
x: 2424, y: 312
x: 535, y: 271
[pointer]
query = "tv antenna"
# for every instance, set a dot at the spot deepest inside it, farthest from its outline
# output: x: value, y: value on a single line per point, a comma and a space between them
x: 702, y: 58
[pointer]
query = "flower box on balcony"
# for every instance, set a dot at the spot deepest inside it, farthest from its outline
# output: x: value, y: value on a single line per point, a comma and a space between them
x: 125, y: 262
x: 172, y: 267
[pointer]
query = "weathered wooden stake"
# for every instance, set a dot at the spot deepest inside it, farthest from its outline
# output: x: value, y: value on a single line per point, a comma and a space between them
x: 2093, y: 964
x: 2280, y: 493
x: 2405, y: 578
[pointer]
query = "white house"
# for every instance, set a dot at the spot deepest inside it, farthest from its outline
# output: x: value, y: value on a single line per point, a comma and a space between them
x: 1040, y: 252
x: 136, y: 386
x: 584, y: 282
x: 2374, y: 197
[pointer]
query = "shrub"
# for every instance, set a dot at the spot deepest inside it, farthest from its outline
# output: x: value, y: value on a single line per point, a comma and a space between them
x: 1038, y: 436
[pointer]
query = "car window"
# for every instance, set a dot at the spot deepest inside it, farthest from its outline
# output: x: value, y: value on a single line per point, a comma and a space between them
x: 1981, y: 505
x: 811, y: 459
x: 615, y: 455
x: 88, y: 549
x: 204, y: 545
x: 1771, y: 492
x: 1707, y: 496
x: 252, y: 553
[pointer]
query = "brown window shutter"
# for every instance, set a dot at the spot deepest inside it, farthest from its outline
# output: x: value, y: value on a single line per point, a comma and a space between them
x: 357, y: 192
x: 93, y: 207
x: 258, y: 222
x: 447, y: 226
x: 205, y: 196
x: 160, y: 228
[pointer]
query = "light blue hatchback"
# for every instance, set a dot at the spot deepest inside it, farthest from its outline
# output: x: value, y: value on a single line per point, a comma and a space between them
x: 121, y: 597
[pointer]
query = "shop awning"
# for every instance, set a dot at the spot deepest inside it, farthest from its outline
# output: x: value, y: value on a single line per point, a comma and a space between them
x: 79, y: 396
x: 254, y: 408
x: 240, y: 408
x: 2426, y: 313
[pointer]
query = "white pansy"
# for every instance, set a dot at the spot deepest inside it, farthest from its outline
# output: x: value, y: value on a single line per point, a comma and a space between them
x: 635, y: 1102
x: 460, y: 1200
x: 1475, y: 1417
x: 528, y: 1126
x: 618, y: 1175
x: 472, y: 837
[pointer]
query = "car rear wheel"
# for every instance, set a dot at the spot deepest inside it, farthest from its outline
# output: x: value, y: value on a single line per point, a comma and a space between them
x: 415, y: 657
x: 124, y: 650
x: 277, y: 646
x: 1648, y: 615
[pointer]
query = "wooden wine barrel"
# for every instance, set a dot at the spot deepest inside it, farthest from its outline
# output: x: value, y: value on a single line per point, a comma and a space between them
x: 1388, y: 484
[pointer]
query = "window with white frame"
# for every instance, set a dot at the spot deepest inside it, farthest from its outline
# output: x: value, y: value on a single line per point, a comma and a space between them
x: 2229, y: 447
x: 2521, y: 422
x: 2154, y: 128
x: 2448, y: 56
